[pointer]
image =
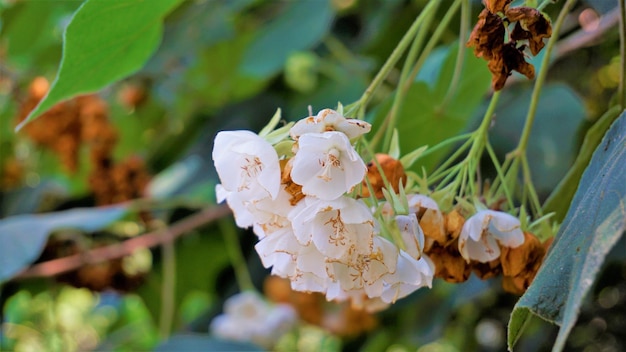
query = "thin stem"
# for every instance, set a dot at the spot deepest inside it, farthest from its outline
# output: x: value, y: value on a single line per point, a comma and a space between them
x: 401, y: 93
x: 168, y: 288
x: 532, y: 193
x: 434, y: 39
x: 237, y: 259
x: 541, y: 77
x: 544, y: 4
x: 460, y: 55
x: 397, y: 53
x: 622, y: 47
x: 119, y: 250
x: 496, y: 164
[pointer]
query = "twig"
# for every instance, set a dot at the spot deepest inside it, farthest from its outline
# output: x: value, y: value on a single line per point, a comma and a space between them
x: 119, y: 250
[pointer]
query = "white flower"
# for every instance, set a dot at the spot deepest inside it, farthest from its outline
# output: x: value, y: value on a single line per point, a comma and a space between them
x: 364, y: 271
x: 412, y: 234
x: 329, y: 120
x: 246, y: 163
x: 336, y: 227
x: 279, y: 250
x: 247, y: 317
x: 326, y: 165
x: 410, y: 275
x: 483, y: 231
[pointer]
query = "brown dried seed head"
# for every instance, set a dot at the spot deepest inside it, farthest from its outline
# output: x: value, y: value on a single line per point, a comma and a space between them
x: 432, y: 223
x: 449, y: 265
x: 520, y: 265
x: 454, y: 222
x: 523, y: 258
x: 393, y: 170
x: 486, y: 270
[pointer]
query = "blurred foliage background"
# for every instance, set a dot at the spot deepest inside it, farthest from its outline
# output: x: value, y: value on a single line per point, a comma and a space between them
x: 229, y: 65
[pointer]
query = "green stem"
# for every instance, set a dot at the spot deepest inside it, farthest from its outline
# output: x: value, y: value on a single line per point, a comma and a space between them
x: 532, y: 193
x: 541, y: 77
x: 622, y: 47
x: 460, y: 55
x: 496, y: 164
x: 237, y: 259
x: 434, y: 39
x: 397, y: 53
x: 401, y: 93
x: 168, y: 288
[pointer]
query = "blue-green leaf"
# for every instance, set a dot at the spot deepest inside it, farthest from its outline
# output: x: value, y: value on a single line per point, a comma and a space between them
x: 22, y: 237
x: 594, y: 223
x: 301, y: 25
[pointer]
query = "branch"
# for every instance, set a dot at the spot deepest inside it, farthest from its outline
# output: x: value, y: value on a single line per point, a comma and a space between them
x: 122, y: 249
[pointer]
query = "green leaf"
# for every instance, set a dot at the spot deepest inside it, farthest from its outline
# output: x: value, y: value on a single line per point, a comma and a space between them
x: 428, y: 115
x: 301, y: 25
x: 594, y: 223
x: 199, y: 342
x: 560, y: 199
x: 104, y: 42
x: 22, y: 237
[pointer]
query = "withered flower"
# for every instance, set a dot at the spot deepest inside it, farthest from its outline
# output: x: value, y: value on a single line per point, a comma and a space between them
x: 449, y: 265
x: 486, y: 270
x: 510, y: 59
x: 394, y: 173
x: 531, y: 25
x: 520, y: 264
x: 487, y: 37
x: 495, y: 6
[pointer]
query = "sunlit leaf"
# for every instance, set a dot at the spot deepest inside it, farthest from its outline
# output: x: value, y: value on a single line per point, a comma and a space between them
x: 22, y: 237
x: 104, y: 42
x: 594, y: 223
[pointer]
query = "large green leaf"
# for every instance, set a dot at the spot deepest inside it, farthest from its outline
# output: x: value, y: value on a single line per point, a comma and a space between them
x: 594, y: 223
x: 104, y: 42
x: 300, y: 25
x: 22, y: 237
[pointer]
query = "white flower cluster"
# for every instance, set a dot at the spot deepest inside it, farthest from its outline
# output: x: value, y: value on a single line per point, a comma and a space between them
x: 325, y: 241
x: 248, y: 317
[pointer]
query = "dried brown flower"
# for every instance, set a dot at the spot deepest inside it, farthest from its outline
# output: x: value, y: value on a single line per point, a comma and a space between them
x: 393, y: 170
x: 495, y: 6
x: 520, y: 264
x: 531, y: 25
x: 449, y: 265
x: 510, y: 59
x: 487, y: 37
